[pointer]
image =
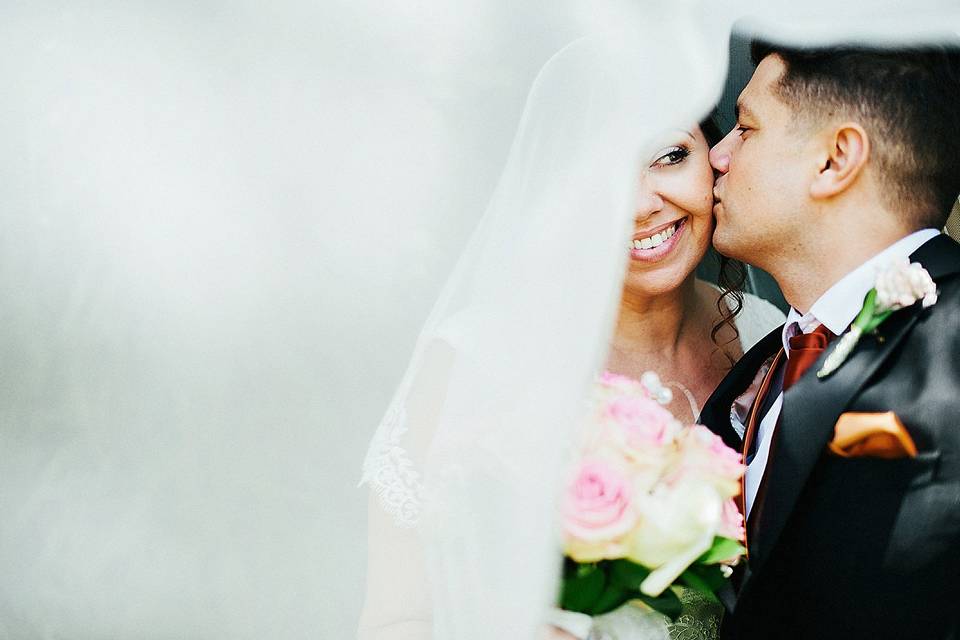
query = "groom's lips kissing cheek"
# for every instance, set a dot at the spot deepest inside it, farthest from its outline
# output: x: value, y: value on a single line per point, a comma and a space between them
x: 717, y: 200
x: 654, y: 244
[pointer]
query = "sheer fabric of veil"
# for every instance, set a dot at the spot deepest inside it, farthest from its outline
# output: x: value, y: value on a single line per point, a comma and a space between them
x: 470, y: 452
x: 465, y: 467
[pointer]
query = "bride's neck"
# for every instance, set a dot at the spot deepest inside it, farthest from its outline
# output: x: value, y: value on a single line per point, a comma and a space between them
x: 657, y: 324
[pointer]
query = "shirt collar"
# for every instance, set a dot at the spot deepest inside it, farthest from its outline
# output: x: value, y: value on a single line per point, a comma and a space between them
x: 841, y: 303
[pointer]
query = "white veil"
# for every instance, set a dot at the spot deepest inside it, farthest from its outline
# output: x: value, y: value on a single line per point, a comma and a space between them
x: 223, y: 227
x: 506, y: 358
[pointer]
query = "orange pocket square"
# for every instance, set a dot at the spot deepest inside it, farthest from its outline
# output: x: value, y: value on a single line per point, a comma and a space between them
x: 871, y: 435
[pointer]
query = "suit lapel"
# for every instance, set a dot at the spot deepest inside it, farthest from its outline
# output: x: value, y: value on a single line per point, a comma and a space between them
x: 940, y: 256
x: 716, y: 410
x: 812, y: 406
x: 810, y: 410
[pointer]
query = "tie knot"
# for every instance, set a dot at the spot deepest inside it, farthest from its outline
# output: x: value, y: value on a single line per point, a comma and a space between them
x: 816, y: 339
x: 804, y: 351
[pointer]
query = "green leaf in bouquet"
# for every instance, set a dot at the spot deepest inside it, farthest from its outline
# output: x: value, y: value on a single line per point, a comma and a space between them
x: 627, y: 574
x: 584, y: 570
x: 612, y: 597
x: 574, y: 569
x: 583, y: 584
x: 700, y: 580
x: 722, y: 549
x: 666, y: 603
x: 712, y: 574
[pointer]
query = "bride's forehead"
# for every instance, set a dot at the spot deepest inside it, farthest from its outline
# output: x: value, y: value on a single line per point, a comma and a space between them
x: 676, y: 135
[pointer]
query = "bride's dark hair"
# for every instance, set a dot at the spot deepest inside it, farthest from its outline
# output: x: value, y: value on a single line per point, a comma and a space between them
x: 732, y: 273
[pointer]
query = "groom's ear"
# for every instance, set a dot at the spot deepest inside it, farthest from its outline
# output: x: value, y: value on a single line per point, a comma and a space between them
x: 843, y: 156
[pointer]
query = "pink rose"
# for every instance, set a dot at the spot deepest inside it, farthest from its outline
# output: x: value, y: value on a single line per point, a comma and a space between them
x: 619, y: 382
x: 715, y: 458
x: 597, y: 512
x: 731, y: 521
x: 644, y: 422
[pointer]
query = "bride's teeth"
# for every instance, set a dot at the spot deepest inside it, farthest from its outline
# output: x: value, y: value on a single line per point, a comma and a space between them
x: 656, y: 239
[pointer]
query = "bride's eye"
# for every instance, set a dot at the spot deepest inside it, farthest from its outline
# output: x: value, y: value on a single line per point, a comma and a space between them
x: 670, y: 156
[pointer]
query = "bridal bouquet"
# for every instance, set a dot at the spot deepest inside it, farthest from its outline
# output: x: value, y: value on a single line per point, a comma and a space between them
x: 650, y: 504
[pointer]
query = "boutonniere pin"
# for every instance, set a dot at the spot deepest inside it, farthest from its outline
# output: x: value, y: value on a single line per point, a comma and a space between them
x: 898, y: 286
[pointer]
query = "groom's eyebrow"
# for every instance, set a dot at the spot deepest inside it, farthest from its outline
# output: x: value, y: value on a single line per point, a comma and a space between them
x: 741, y: 109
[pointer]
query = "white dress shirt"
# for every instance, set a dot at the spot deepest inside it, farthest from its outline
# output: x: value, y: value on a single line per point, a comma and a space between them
x: 835, y: 309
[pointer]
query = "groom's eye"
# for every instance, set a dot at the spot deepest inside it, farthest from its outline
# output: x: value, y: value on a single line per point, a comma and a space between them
x: 673, y: 155
x: 743, y: 129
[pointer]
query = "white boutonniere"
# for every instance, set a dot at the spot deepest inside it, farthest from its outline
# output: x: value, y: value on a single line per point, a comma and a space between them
x: 898, y: 286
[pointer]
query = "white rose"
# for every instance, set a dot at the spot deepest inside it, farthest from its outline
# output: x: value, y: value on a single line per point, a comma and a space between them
x: 677, y: 525
x: 903, y: 283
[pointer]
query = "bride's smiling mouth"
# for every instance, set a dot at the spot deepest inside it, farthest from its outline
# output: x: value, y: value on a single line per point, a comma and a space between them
x: 653, y: 244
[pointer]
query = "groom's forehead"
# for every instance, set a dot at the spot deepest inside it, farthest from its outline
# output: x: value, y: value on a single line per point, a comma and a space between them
x: 761, y: 89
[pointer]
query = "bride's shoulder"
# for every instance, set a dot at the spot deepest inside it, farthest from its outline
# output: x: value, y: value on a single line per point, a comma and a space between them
x: 763, y: 310
x: 756, y: 319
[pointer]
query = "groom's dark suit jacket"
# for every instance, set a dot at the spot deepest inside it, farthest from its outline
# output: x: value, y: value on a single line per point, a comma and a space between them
x: 860, y: 547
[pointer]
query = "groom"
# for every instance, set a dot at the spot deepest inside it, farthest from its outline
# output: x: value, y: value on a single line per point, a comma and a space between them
x: 842, y: 161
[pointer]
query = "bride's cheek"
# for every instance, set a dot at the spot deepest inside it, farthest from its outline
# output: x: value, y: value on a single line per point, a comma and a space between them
x: 707, y: 206
x: 708, y: 193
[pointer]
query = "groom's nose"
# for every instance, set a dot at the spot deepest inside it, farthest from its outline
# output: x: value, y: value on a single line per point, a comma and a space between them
x: 720, y: 154
x: 720, y: 157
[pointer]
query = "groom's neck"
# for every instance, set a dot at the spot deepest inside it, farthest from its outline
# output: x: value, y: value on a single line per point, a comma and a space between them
x: 822, y: 259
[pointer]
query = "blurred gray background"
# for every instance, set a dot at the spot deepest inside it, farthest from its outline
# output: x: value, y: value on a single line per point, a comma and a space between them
x: 222, y: 225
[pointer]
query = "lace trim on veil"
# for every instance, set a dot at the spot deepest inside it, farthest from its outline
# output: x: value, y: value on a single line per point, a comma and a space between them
x: 390, y: 472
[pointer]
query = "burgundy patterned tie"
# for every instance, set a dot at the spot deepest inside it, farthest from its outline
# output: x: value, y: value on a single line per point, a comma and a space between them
x: 805, y: 348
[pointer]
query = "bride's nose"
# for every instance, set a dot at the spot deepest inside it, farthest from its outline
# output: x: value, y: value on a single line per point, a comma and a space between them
x: 648, y: 203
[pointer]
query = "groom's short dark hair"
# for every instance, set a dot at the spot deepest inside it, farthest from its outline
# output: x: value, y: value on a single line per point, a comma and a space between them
x: 908, y: 99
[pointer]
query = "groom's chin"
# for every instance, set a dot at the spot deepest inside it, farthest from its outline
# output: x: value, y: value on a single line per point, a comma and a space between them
x: 724, y: 246
x: 720, y: 243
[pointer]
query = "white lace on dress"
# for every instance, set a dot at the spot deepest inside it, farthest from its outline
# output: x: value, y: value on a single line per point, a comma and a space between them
x: 390, y: 472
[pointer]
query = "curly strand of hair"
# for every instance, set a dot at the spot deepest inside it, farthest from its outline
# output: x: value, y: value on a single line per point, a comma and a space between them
x: 732, y: 277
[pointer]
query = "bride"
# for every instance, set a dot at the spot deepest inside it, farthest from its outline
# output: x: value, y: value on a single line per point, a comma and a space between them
x: 465, y: 467
x: 668, y: 320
